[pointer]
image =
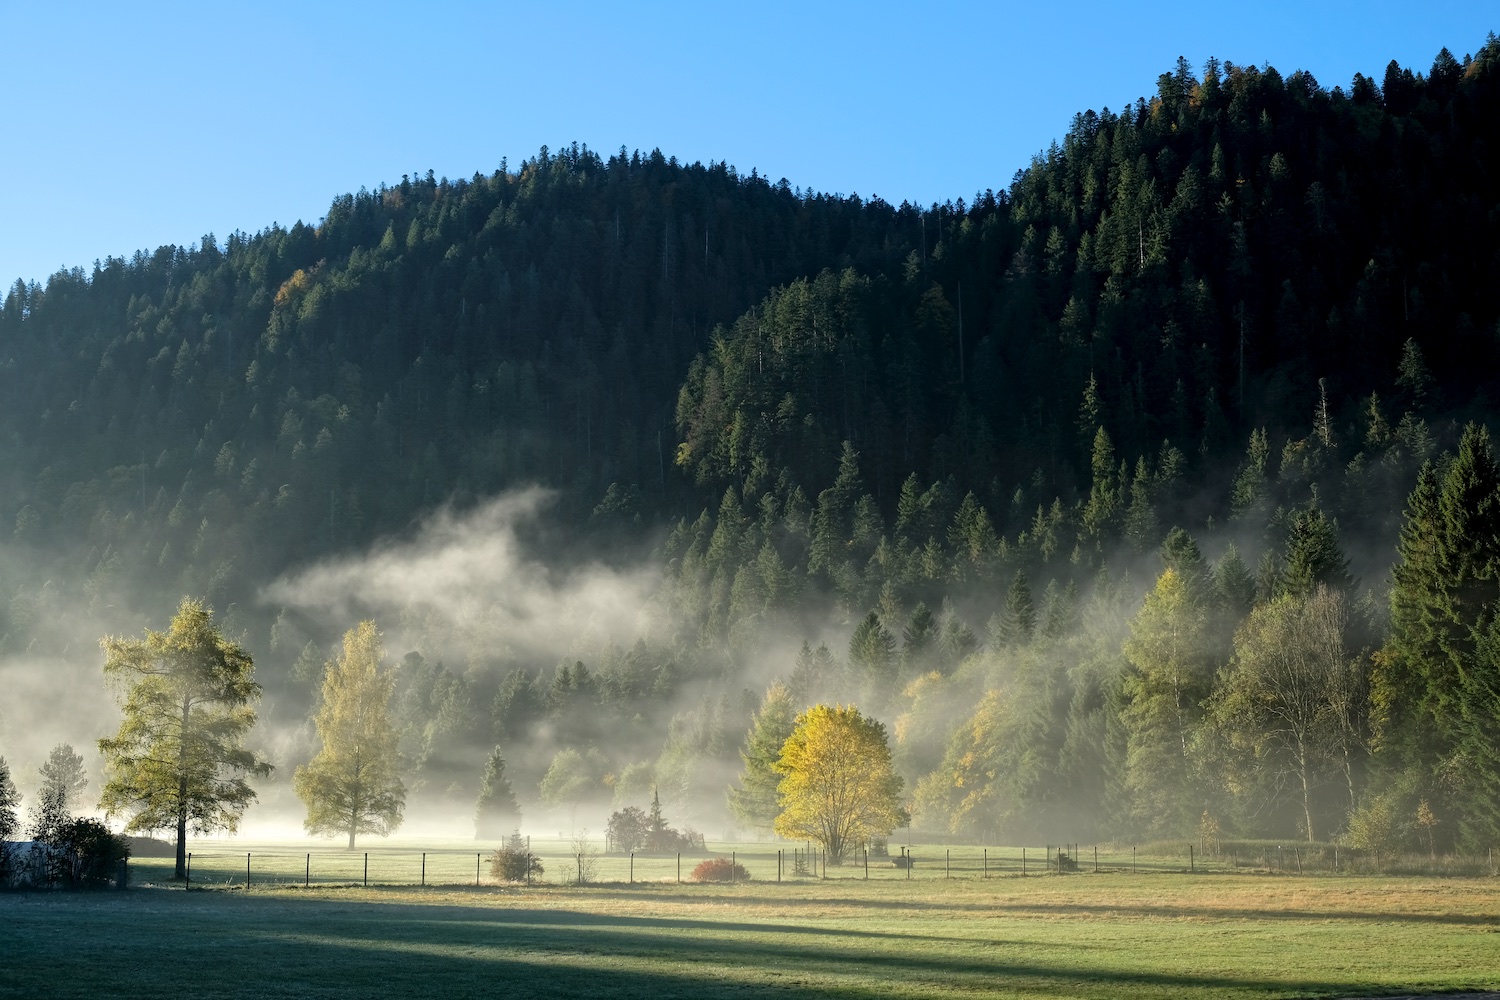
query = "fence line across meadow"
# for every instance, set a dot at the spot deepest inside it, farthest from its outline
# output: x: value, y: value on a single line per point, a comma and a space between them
x: 562, y: 864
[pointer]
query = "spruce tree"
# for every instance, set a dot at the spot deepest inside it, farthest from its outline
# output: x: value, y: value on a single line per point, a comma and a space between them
x: 753, y: 801
x: 63, y: 776
x: 1313, y: 555
x: 10, y: 823
x: 496, y: 810
x: 918, y: 639
x: 1233, y: 585
x: 1016, y: 624
x: 872, y: 655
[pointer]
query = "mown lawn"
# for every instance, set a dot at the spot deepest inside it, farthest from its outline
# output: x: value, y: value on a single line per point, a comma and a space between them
x: 1107, y: 935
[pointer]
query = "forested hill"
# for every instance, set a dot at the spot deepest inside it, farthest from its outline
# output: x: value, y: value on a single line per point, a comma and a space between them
x: 1246, y: 303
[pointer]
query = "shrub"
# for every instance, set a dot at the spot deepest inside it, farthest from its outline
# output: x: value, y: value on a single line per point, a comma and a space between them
x: 719, y: 870
x: 1377, y: 827
x: 84, y: 854
x: 511, y: 864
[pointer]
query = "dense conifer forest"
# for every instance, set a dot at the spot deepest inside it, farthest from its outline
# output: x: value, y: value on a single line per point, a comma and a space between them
x: 1148, y: 496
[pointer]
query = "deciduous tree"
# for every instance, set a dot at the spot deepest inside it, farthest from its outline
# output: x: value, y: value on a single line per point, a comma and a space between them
x: 179, y: 760
x: 838, y: 787
x: 353, y: 785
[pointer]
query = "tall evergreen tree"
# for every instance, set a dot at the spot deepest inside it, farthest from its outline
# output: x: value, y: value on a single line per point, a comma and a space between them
x: 1313, y: 556
x: 753, y: 802
x: 1017, y: 621
x: 10, y: 823
x: 496, y: 811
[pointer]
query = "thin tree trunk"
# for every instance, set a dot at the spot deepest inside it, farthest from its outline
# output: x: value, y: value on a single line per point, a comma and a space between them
x: 182, y: 817
x: 1306, y: 796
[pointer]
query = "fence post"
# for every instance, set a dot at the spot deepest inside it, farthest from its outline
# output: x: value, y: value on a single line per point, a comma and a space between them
x: 528, y: 862
x: 1192, y: 867
x: 580, y: 868
x: 367, y: 870
x: 778, y: 864
x: 632, y: 868
x: 1132, y: 860
x: 867, y: 864
x: 188, y: 880
x: 476, y: 869
x: 1023, y: 861
x: 679, y: 867
x: 424, y: 868
x: 948, y: 863
x: 1096, y: 859
x: 733, y: 860
x: 307, y: 872
x: 986, y: 862
x: 247, y: 870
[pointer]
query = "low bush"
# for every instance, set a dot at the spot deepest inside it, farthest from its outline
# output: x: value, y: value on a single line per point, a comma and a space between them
x: 719, y: 870
x: 512, y: 864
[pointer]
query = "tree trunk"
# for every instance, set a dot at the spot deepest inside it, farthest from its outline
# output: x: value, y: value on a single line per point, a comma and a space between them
x: 182, y: 811
x: 182, y: 831
x: 1306, y: 796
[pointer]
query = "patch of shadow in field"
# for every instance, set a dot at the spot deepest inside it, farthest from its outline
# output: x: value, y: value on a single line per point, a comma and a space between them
x: 1160, y: 911
x: 558, y: 957
x: 222, y: 945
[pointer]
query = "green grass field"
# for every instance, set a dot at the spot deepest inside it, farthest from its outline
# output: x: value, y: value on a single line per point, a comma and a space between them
x: 1113, y: 934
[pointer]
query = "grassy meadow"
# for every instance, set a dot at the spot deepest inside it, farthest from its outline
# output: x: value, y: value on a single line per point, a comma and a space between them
x: 1157, y: 933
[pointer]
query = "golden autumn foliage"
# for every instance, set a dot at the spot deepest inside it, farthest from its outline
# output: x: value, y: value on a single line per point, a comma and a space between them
x: 352, y: 785
x: 838, y: 787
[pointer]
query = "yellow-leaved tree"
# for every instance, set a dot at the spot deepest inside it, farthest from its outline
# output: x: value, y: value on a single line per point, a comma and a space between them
x: 1171, y: 674
x: 352, y: 785
x: 179, y: 761
x: 838, y: 787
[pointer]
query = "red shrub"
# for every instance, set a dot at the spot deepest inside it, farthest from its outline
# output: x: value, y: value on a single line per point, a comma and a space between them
x: 719, y: 870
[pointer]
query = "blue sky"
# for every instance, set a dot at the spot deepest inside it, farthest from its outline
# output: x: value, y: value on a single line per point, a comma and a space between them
x: 131, y: 126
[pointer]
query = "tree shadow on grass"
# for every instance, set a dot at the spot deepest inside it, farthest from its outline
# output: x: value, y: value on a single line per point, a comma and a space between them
x: 221, y: 945
x: 1160, y: 911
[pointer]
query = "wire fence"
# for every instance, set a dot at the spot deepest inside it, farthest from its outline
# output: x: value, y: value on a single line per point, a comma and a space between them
x: 575, y: 864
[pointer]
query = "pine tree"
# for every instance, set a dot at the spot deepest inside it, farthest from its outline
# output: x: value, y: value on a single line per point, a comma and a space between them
x: 1430, y: 685
x: 753, y: 802
x: 10, y: 823
x: 1313, y: 556
x: 1141, y: 526
x: 1413, y: 378
x: 1017, y: 622
x: 918, y: 639
x: 496, y: 810
x: 911, y: 514
x: 1102, y: 511
x: 1478, y: 738
x: 872, y: 655
x: 63, y: 776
